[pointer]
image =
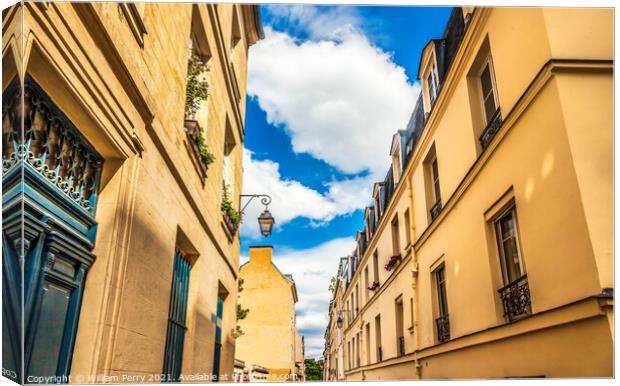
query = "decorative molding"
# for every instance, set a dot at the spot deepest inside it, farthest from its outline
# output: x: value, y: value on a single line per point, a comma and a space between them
x: 531, y: 92
x: 134, y: 19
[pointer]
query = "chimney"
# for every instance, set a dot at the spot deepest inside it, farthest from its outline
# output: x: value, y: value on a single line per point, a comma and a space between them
x: 261, y: 254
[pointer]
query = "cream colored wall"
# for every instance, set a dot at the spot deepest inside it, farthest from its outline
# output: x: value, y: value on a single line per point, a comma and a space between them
x: 269, y: 328
x: 553, y: 157
x: 128, y: 101
x: 590, y: 137
x: 393, y: 284
x: 544, y: 183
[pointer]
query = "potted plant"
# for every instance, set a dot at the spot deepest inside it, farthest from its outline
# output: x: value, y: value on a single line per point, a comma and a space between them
x: 196, y: 91
x: 231, y: 216
x: 374, y: 286
x: 392, y: 262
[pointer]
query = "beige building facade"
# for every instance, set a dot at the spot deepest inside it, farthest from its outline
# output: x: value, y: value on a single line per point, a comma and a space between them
x: 270, y: 338
x: 130, y: 243
x: 488, y: 251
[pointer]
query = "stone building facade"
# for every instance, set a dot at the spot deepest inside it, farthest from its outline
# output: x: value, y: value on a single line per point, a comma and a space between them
x: 488, y: 251
x: 270, y: 338
x: 131, y: 264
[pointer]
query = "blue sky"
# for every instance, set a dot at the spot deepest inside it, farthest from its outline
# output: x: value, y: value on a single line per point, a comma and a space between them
x: 327, y: 88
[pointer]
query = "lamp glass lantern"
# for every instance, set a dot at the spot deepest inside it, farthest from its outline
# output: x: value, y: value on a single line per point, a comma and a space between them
x: 265, y: 222
x: 339, y: 322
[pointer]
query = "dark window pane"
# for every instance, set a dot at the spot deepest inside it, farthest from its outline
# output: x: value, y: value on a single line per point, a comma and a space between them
x: 489, y: 107
x: 485, y: 80
x: 50, y: 330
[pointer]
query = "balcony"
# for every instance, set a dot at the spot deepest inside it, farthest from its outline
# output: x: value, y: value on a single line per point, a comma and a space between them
x: 516, y: 299
x: 492, y: 128
x: 401, y: 345
x: 48, y: 146
x: 435, y: 210
x: 443, y: 328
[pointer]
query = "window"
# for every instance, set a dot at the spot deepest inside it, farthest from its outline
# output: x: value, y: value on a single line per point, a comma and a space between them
x: 355, y: 345
x: 349, y: 356
x: 435, y: 180
x: 510, y: 256
x: 357, y: 349
x: 379, y: 353
x: 442, y: 322
x: 197, y: 96
x: 173, y: 357
x: 407, y: 228
x: 367, y: 343
x: 229, y: 167
x: 396, y: 163
x: 395, y: 236
x: 375, y: 266
x: 483, y: 97
x: 222, y: 294
x: 356, y: 299
x: 487, y: 88
x: 366, y: 284
x: 400, y: 330
x: 433, y: 191
x: 431, y: 84
x: 411, y: 313
x: 515, y: 294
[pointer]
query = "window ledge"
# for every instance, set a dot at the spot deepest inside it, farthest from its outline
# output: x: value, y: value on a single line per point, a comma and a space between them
x: 229, y: 228
x: 191, y: 129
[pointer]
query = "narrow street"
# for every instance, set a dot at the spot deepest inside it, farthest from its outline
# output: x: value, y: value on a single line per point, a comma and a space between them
x: 223, y: 192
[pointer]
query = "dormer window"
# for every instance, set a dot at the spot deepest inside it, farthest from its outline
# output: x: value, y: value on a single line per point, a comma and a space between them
x: 429, y: 74
x: 432, y: 85
x: 396, y: 161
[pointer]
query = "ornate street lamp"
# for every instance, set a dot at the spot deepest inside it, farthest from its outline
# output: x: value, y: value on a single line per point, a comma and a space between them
x: 265, y: 220
x: 339, y: 322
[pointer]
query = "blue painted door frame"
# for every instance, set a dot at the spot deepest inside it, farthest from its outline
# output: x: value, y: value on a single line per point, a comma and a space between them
x: 50, y: 183
x: 218, y: 339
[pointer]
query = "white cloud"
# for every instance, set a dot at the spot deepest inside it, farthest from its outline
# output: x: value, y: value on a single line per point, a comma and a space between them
x: 312, y: 269
x: 292, y: 199
x: 317, y: 22
x: 340, y: 100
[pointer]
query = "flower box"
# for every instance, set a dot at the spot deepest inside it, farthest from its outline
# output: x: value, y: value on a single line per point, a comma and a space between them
x: 394, y: 260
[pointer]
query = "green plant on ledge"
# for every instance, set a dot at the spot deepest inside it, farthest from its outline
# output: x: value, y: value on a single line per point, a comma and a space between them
x: 227, y: 207
x: 205, y: 155
x: 197, y: 90
x: 242, y: 313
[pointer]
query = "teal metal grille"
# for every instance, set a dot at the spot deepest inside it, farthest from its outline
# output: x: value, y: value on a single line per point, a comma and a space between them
x: 218, y: 339
x: 173, y: 355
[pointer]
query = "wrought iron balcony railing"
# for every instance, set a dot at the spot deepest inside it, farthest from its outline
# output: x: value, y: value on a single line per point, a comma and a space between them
x: 435, y: 210
x: 516, y: 299
x: 443, y: 328
x: 49, y: 143
x: 401, y: 345
x: 492, y: 128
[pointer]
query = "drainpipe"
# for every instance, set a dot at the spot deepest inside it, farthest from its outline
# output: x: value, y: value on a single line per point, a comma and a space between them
x: 414, y: 282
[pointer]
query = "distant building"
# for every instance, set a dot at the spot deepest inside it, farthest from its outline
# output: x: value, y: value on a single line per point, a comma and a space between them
x: 300, y: 368
x: 270, y: 336
x: 488, y: 250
